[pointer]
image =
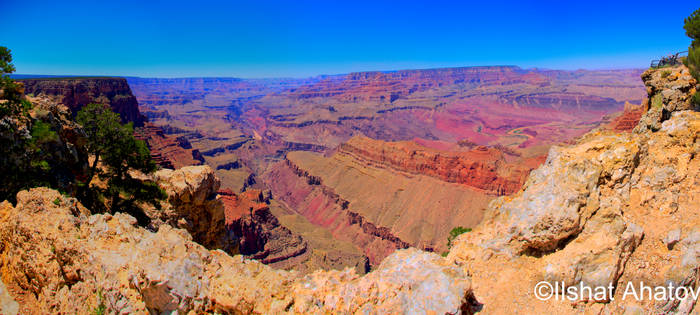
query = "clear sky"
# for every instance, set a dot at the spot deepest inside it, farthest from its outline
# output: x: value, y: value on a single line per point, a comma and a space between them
x: 304, y: 38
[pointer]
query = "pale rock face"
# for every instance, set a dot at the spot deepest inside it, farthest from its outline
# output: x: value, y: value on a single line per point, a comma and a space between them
x: 193, y: 205
x: 409, y: 281
x: 7, y: 304
x: 58, y: 260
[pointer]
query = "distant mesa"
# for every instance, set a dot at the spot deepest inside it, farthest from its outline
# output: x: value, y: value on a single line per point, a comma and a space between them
x: 76, y: 92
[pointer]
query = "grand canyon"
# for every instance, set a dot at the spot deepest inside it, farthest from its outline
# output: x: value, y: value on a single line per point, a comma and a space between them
x: 445, y: 190
x: 381, y: 160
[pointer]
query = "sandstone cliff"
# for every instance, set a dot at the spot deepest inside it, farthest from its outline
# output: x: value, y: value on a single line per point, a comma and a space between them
x: 260, y: 235
x: 482, y: 167
x: 78, y: 92
x: 166, y: 150
x: 193, y: 205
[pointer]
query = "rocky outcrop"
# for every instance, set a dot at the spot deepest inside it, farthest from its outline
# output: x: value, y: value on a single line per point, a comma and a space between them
x: 80, y: 91
x: 613, y: 209
x: 168, y: 151
x: 56, y: 259
x: 669, y: 90
x: 483, y: 168
x: 193, y: 205
x: 259, y: 233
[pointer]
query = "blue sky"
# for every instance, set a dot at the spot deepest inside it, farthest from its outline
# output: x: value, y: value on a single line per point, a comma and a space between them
x: 305, y: 38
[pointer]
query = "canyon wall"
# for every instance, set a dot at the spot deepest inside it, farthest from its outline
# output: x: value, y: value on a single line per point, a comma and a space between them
x: 482, y: 167
x: 80, y: 91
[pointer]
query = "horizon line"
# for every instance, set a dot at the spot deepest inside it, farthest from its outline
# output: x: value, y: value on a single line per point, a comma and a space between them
x: 39, y: 76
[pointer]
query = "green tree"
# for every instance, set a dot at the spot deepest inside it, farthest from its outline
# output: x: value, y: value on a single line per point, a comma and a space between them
x: 692, y: 30
x: 10, y: 92
x: 116, y: 153
x: 20, y: 141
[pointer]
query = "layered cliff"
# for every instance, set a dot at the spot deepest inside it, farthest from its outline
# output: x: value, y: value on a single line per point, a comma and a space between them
x: 481, y: 167
x: 78, y: 92
x: 260, y: 236
x: 377, y: 208
x: 166, y: 150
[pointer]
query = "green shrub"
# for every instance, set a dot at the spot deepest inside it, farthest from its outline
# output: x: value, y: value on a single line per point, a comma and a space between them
x: 665, y: 73
x: 696, y: 100
x: 57, y: 201
x: 42, y: 133
x: 657, y: 101
x: 101, y: 308
x: 456, y: 232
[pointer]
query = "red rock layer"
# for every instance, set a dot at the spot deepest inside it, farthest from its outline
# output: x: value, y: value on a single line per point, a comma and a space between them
x: 628, y: 119
x: 388, y: 86
x: 78, y: 92
x: 482, y: 167
x: 168, y: 151
x: 260, y: 235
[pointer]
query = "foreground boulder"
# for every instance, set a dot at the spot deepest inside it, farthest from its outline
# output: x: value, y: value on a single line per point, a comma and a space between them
x: 193, y: 205
x: 55, y: 258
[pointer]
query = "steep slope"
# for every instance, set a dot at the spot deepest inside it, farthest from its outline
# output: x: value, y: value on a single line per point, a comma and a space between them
x: 168, y: 151
x: 253, y: 217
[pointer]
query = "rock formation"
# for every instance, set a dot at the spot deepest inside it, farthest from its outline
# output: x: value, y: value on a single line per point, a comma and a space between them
x: 193, y: 205
x: 80, y: 91
x: 260, y: 236
x: 482, y: 167
x: 377, y: 208
x: 56, y: 259
x: 168, y: 151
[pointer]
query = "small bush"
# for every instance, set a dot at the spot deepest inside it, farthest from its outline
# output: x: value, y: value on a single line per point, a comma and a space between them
x: 657, y: 101
x: 101, y: 308
x: 57, y: 201
x: 456, y: 232
x: 696, y: 100
x: 665, y: 73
